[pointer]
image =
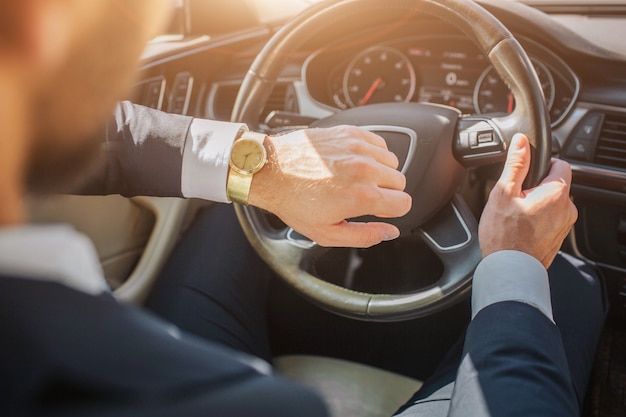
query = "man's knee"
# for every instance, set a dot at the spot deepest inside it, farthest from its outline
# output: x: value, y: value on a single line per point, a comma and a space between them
x: 572, y: 278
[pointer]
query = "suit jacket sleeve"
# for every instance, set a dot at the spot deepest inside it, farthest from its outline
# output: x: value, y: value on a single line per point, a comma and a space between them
x: 514, y: 364
x: 143, y: 154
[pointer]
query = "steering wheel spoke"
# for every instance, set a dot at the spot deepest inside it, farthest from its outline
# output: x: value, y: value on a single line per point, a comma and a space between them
x: 453, y: 235
x: 479, y: 141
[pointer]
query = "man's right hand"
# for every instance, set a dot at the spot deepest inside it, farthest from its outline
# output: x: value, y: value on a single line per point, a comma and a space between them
x: 534, y: 221
x: 315, y: 179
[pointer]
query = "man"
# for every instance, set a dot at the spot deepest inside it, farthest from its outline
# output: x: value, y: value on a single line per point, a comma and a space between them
x: 70, y: 349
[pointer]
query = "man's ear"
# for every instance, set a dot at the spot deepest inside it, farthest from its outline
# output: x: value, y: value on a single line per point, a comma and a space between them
x: 35, y: 31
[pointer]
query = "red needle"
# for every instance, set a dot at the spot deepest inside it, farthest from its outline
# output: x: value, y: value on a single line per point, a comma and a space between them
x: 369, y: 93
x: 511, y: 103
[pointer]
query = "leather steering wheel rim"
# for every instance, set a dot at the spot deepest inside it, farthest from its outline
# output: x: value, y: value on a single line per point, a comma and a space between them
x: 289, y: 257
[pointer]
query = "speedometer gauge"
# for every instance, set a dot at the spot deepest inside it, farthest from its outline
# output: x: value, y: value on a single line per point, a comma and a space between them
x: 491, y: 95
x: 379, y: 75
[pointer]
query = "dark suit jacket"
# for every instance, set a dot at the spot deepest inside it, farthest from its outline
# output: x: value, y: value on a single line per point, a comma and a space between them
x: 142, y: 154
x: 66, y: 353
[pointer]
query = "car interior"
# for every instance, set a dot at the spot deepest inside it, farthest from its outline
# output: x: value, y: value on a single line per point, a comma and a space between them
x: 284, y: 65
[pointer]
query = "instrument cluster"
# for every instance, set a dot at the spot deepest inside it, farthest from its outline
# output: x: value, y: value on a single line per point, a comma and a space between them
x: 447, y: 70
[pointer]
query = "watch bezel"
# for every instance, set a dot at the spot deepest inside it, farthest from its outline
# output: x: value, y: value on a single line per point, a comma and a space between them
x: 258, y: 166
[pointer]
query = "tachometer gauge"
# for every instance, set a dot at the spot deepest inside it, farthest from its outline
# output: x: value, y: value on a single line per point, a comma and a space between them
x: 379, y: 75
x: 491, y: 95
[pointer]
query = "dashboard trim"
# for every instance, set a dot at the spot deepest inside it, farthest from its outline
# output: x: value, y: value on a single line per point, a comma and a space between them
x: 308, y: 105
x: 598, y: 171
x: 197, y: 46
x: 564, y: 66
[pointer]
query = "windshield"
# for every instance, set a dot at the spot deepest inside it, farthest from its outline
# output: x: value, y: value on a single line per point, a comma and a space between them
x: 274, y: 10
x: 215, y: 17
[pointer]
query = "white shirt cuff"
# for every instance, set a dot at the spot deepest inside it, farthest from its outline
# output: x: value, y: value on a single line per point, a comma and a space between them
x: 511, y: 276
x: 205, y: 159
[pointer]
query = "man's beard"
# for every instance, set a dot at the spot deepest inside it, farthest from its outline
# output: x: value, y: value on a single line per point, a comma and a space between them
x: 58, y: 167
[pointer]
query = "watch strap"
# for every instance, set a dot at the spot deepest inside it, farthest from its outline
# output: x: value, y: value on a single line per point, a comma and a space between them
x: 238, y: 187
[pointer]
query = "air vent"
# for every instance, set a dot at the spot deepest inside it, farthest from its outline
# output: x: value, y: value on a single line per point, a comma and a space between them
x: 611, y: 147
x: 152, y: 91
x: 223, y: 101
x: 224, y: 97
x: 180, y: 93
x: 276, y: 100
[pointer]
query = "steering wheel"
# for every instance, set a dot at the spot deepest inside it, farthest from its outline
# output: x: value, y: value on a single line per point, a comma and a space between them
x: 435, y: 144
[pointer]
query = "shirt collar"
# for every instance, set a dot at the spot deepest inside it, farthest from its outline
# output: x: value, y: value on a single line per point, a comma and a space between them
x: 56, y: 253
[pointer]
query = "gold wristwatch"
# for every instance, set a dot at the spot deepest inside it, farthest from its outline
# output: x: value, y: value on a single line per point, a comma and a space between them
x: 247, y: 157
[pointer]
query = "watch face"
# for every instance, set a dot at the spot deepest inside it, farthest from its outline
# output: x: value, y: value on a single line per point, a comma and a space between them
x: 247, y: 156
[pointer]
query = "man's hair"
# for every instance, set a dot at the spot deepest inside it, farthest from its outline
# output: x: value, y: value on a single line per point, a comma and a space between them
x: 11, y: 18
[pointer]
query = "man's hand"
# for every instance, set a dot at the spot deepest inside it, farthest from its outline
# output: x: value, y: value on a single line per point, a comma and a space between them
x: 534, y: 221
x: 316, y: 179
